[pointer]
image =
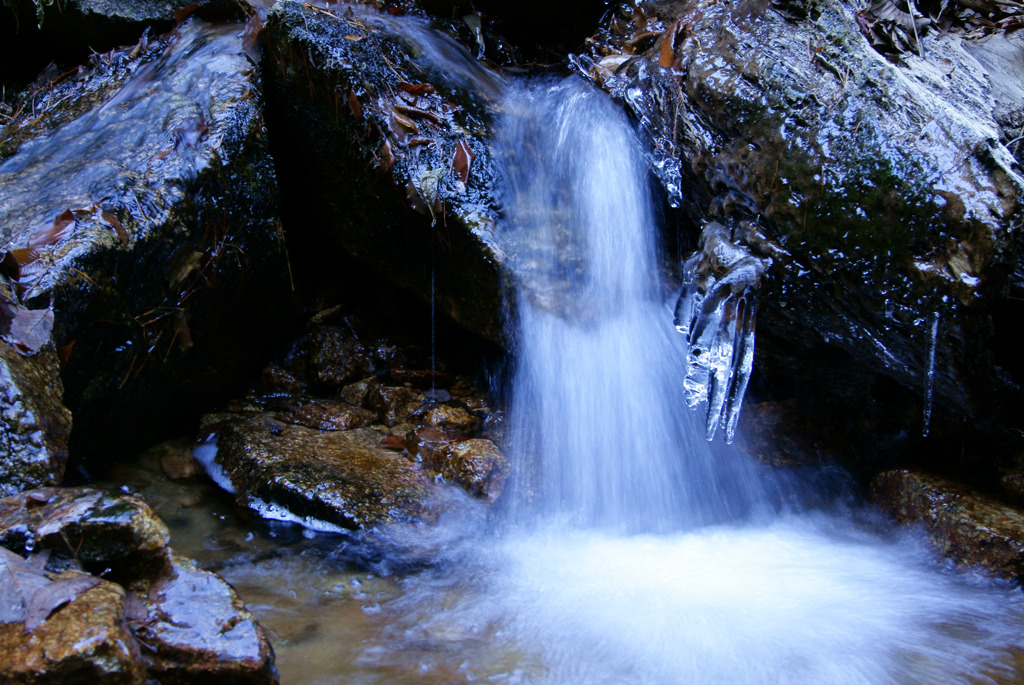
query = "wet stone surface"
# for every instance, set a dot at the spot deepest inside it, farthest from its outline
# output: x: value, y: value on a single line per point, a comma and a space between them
x: 885, y: 187
x: 374, y: 451
x: 34, y: 423
x: 379, y: 128
x: 60, y: 622
x: 141, y: 200
x: 966, y: 526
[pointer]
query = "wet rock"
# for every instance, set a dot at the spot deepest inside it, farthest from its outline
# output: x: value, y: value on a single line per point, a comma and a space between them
x: 336, y: 357
x: 452, y: 418
x: 345, y: 479
x: 393, y: 403
x: 67, y: 626
x: 196, y: 630
x: 34, y: 423
x: 85, y: 640
x: 141, y: 199
x: 476, y: 465
x: 378, y: 125
x: 112, y: 533
x: 355, y: 393
x: 878, y: 247
x: 966, y: 526
x: 326, y: 415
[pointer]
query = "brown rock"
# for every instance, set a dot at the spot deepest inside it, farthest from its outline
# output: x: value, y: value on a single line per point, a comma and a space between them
x: 966, y: 526
x: 328, y: 415
x: 477, y: 465
x: 448, y: 417
x: 392, y: 403
x: 106, y: 532
x: 346, y: 478
x: 355, y: 393
x: 84, y: 641
x: 199, y: 632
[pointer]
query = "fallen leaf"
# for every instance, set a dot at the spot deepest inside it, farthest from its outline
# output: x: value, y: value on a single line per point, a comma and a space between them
x: 668, y: 46
x: 353, y: 104
x: 418, y: 89
x: 62, y: 226
x: 64, y: 353
x: 463, y: 159
x: 185, y: 12
x: 393, y: 442
x: 387, y: 157
x: 112, y: 221
x: 417, y: 112
x: 53, y: 596
x: 66, y: 514
x: 30, y: 328
x: 190, y: 132
x: 19, y: 581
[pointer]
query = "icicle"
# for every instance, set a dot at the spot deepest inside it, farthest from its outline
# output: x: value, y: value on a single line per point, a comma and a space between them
x: 929, y: 379
x: 716, y: 312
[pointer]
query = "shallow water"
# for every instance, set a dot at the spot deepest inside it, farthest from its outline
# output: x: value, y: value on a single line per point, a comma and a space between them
x: 836, y: 598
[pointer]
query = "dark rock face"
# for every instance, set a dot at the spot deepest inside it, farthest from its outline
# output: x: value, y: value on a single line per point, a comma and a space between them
x: 886, y: 199
x: 34, y: 33
x: 35, y: 425
x: 166, y: 253
x: 968, y: 527
x: 58, y: 624
x: 378, y: 138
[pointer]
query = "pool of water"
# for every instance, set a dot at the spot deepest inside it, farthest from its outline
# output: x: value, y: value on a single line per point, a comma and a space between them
x: 835, y: 597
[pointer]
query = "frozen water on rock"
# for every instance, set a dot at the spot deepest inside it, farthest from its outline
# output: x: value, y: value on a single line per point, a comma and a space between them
x: 716, y: 313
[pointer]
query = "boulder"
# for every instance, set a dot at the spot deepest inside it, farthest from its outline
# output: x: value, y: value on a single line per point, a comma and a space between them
x: 109, y: 533
x: 477, y: 465
x: 34, y: 423
x: 197, y: 631
x: 347, y: 479
x: 378, y: 126
x: 360, y: 456
x: 175, y: 624
x: 965, y: 526
x: 74, y: 633
x: 879, y: 188
x: 141, y: 201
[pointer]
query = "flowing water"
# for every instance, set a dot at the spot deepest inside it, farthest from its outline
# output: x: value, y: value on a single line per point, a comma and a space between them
x: 629, y: 550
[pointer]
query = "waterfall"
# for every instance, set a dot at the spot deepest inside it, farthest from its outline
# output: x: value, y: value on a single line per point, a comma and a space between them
x: 599, y: 429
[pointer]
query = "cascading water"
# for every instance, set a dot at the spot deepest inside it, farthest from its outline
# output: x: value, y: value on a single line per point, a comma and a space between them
x: 633, y: 551
x: 596, y: 422
x: 618, y: 576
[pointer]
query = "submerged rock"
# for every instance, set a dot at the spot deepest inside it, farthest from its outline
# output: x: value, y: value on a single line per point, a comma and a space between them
x: 884, y: 188
x: 378, y: 127
x: 58, y: 624
x: 142, y: 202
x: 966, y: 526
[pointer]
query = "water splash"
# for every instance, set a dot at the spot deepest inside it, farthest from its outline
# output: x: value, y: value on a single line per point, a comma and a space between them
x: 929, y: 379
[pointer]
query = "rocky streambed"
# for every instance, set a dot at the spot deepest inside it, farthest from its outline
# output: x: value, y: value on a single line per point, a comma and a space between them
x: 273, y: 230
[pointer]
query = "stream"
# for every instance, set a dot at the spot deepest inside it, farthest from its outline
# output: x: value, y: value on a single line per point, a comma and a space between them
x: 629, y: 549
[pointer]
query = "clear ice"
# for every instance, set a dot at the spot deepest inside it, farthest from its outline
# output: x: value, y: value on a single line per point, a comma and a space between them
x: 716, y: 312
